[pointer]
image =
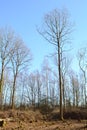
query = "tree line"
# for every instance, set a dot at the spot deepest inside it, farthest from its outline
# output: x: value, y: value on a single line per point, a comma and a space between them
x: 56, y: 87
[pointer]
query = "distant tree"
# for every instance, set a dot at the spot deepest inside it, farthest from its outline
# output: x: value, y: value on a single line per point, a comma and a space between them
x: 38, y: 86
x: 82, y: 59
x: 21, y: 93
x: 46, y: 72
x: 31, y: 89
x: 56, y: 30
x: 7, y: 89
x: 75, y: 90
x: 66, y: 62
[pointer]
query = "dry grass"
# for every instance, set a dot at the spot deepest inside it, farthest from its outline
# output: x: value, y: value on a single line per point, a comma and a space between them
x: 34, y: 120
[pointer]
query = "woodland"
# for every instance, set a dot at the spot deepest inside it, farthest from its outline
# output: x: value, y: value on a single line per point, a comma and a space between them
x: 49, y: 90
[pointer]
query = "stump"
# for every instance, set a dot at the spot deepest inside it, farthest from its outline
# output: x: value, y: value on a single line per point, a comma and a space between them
x: 1, y: 123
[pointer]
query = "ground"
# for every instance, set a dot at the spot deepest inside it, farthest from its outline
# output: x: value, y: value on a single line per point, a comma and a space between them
x: 34, y: 120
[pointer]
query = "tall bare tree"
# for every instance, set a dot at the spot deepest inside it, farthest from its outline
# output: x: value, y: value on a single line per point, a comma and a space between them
x: 6, y: 38
x: 56, y: 30
x: 20, y: 59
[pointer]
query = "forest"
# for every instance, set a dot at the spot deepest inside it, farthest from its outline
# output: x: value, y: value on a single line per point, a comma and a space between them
x: 49, y: 88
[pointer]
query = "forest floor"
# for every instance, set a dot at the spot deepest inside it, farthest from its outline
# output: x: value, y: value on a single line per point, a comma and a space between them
x: 34, y: 120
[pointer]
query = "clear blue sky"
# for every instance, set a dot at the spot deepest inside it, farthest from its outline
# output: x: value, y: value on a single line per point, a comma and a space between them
x: 24, y: 15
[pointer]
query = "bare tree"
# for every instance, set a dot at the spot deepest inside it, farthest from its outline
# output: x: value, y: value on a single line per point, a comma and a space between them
x: 31, y: 90
x: 38, y: 86
x: 6, y: 38
x: 20, y: 59
x: 56, y: 30
x: 46, y: 75
x: 75, y: 90
x: 65, y: 70
x: 82, y: 58
x: 21, y: 90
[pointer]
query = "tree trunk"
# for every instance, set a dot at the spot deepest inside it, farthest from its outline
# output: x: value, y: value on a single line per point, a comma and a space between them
x: 63, y: 94
x: 60, y: 82
x: 13, y: 93
x: 1, y: 86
